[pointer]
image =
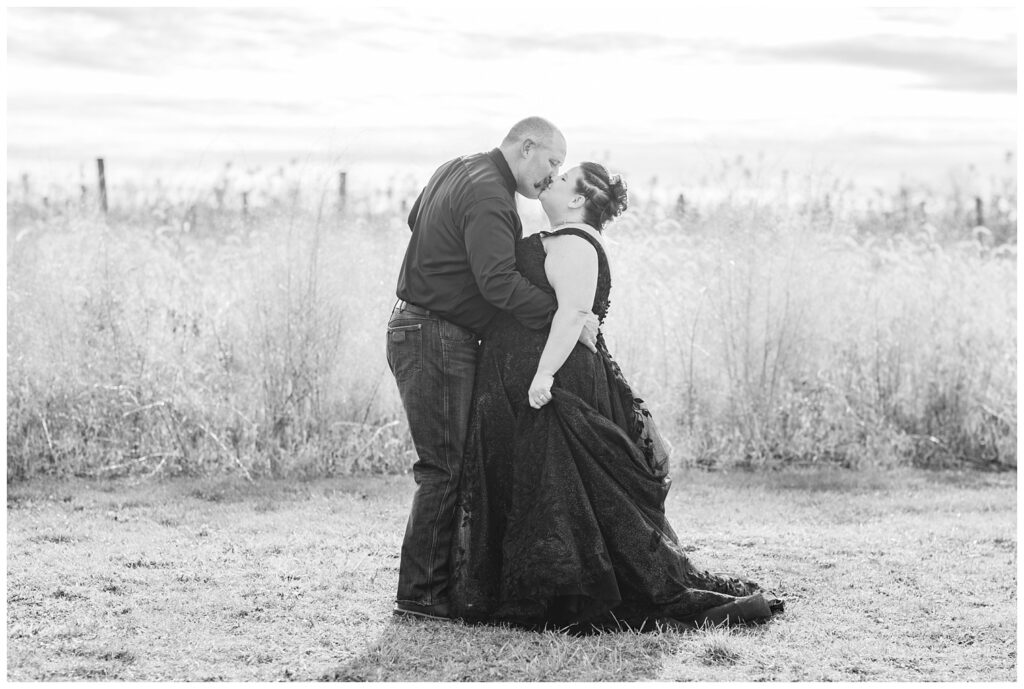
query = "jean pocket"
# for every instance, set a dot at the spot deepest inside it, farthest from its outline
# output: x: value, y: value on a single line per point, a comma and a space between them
x: 450, y: 332
x: 405, y: 350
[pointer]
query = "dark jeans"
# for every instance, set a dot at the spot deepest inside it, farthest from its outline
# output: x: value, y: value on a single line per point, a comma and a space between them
x: 434, y: 363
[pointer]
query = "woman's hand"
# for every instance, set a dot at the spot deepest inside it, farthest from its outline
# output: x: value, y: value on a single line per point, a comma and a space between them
x: 540, y: 389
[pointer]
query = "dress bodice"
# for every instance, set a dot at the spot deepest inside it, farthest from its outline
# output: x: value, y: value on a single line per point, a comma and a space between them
x: 530, y: 256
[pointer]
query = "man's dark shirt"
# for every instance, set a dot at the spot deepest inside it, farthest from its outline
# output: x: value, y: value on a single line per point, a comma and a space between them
x: 461, y: 261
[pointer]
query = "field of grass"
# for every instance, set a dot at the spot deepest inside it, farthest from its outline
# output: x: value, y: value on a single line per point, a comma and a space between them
x: 888, y: 575
x: 183, y: 336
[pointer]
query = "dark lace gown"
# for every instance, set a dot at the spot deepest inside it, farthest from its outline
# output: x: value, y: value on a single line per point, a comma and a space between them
x: 561, y: 516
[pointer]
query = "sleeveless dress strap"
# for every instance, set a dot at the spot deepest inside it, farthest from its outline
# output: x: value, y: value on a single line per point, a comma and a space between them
x: 579, y: 233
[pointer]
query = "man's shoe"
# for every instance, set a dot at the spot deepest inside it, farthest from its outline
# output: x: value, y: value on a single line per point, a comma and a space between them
x: 428, y: 612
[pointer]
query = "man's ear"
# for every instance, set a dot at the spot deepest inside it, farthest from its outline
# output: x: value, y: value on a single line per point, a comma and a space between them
x: 528, y: 145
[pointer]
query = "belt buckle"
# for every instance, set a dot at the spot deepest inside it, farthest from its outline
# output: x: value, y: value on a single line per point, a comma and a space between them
x: 403, y: 305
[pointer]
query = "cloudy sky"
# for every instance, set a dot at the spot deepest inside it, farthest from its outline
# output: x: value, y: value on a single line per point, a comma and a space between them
x: 875, y: 95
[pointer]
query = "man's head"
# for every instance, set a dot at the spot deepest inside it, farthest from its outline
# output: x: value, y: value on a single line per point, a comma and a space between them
x: 534, y: 150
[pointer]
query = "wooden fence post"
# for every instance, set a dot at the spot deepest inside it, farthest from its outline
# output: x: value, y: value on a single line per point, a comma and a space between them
x: 979, y: 211
x: 681, y: 205
x: 342, y: 179
x: 103, y: 185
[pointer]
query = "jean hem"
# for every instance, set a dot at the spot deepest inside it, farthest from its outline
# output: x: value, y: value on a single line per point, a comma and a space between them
x: 422, y: 603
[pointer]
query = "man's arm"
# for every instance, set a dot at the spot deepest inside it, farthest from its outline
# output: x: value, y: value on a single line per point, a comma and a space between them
x: 490, y: 236
x: 414, y: 213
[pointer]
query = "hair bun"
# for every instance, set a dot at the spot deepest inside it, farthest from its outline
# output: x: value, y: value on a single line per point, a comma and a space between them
x: 617, y: 197
x: 605, y: 193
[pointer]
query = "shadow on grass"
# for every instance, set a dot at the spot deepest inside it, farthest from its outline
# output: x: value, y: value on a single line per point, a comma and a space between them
x: 227, y: 490
x: 827, y: 479
x: 415, y: 650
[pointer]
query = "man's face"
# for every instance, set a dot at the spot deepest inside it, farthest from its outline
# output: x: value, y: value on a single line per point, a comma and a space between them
x: 541, y: 164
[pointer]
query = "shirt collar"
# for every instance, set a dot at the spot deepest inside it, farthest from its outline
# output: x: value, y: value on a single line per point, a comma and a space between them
x: 504, y: 169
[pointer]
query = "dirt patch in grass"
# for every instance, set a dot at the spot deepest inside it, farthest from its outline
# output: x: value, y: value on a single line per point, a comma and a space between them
x: 903, y: 575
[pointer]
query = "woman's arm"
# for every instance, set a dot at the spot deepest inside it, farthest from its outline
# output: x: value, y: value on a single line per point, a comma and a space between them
x: 571, y: 268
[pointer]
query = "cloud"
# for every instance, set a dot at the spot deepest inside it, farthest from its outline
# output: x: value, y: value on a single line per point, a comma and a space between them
x: 488, y: 45
x: 153, y: 41
x: 931, y: 16
x: 140, y: 41
x: 123, y: 105
x: 951, y: 21
x: 946, y: 64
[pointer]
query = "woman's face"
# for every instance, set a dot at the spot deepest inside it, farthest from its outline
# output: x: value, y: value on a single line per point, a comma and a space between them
x: 561, y: 197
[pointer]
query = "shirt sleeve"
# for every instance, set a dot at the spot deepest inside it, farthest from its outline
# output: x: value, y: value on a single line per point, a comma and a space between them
x: 414, y: 213
x: 490, y: 236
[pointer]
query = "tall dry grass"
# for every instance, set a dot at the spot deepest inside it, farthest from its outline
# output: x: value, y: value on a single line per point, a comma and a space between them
x: 190, y: 339
x: 771, y: 341
x: 250, y: 348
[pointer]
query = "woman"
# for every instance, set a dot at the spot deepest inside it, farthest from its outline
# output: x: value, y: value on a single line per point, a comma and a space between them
x: 561, y: 510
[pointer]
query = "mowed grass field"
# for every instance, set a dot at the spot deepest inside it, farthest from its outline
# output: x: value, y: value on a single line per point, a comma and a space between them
x: 898, y: 575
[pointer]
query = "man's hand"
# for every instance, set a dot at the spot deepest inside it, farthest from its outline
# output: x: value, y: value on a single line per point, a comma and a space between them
x: 540, y: 389
x: 588, y: 336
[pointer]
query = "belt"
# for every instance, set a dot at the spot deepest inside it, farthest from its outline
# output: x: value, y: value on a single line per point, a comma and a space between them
x: 403, y: 305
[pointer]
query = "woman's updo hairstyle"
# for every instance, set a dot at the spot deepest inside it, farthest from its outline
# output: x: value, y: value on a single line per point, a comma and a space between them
x: 605, y: 194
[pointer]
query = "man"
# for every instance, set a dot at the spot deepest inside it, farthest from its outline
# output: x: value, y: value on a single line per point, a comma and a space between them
x: 458, y: 272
